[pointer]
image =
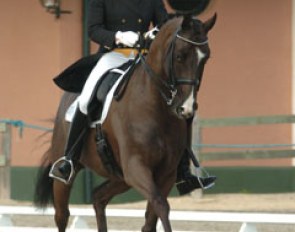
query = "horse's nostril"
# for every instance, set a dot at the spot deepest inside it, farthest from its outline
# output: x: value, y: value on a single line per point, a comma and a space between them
x: 184, y: 112
x: 180, y: 110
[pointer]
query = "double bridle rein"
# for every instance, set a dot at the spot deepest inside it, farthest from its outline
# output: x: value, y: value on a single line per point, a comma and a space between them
x: 173, y: 82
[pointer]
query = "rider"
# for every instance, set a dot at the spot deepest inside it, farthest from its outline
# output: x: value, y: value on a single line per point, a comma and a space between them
x: 115, y: 25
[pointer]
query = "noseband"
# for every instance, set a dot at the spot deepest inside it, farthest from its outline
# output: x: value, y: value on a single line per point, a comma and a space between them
x: 173, y: 82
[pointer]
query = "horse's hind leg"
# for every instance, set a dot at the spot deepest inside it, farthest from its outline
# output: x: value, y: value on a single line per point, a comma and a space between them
x: 102, y: 196
x: 61, y: 194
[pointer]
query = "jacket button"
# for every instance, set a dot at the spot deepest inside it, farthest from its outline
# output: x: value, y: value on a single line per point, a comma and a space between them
x: 123, y: 21
x: 139, y: 20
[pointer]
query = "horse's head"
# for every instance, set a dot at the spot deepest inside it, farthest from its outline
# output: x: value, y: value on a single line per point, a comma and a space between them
x: 182, y: 47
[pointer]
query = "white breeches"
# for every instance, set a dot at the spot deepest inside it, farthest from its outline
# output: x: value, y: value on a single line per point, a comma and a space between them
x: 108, y: 61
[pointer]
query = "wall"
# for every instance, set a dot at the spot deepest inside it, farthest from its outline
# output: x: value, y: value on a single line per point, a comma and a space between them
x: 249, y: 73
x: 230, y: 180
x: 34, y: 47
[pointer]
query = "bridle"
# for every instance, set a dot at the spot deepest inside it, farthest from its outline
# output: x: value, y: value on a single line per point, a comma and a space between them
x: 173, y: 81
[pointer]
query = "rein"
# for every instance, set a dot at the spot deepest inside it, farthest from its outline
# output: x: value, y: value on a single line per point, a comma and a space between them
x: 173, y: 82
x: 172, y: 90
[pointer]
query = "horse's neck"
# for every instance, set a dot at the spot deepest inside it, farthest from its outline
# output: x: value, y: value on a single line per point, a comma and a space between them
x: 144, y: 90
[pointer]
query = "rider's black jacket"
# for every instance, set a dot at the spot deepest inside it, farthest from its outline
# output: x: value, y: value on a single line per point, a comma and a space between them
x: 106, y: 17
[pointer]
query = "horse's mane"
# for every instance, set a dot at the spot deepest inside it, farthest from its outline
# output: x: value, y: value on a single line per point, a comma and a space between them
x: 163, y: 39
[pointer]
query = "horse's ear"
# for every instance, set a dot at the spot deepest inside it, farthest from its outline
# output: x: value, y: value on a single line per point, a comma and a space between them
x: 210, y: 23
x: 187, y: 22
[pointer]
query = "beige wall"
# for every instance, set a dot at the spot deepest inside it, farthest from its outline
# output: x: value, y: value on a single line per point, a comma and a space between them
x: 249, y: 73
x: 34, y: 48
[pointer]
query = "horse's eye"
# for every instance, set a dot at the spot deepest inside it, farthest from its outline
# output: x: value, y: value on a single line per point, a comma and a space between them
x: 179, y: 58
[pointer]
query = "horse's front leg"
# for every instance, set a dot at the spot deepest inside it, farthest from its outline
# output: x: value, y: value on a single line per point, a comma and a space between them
x: 150, y: 220
x: 101, y: 197
x: 141, y: 178
x: 165, y: 183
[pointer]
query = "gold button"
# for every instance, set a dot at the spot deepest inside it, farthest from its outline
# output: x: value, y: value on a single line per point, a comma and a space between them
x: 139, y: 20
x: 123, y: 20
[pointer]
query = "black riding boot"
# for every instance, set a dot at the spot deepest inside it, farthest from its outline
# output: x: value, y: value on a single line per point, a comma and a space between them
x: 63, y: 169
x: 186, y: 181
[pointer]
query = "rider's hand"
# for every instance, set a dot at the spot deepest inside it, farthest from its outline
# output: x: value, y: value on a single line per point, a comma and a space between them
x: 128, y: 38
x: 151, y: 34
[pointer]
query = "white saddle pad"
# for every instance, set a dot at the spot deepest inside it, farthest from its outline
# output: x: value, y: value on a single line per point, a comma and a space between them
x: 72, y: 109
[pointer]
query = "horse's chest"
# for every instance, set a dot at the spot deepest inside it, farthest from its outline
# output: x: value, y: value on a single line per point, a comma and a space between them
x: 155, y: 139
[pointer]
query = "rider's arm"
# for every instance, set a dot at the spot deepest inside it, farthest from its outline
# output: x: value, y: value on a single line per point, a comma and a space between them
x: 96, y: 25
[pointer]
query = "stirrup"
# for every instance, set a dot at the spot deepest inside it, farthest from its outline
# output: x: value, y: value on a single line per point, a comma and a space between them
x: 55, y: 167
x: 207, y: 186
x: 207, y: 175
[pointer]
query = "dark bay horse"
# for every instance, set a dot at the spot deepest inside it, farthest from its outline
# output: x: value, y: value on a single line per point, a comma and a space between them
x: 146, y: 129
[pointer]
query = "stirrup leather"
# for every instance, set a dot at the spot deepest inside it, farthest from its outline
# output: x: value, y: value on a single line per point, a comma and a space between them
x: 52, y: 175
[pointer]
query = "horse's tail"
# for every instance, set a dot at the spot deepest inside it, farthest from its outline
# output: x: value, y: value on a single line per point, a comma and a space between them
x: 44, y: 186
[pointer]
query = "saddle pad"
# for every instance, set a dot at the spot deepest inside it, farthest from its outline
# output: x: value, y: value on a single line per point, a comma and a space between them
x: 108, y: 100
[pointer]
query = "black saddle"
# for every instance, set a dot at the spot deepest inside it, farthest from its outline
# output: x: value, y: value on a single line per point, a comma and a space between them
x: 104, y: 85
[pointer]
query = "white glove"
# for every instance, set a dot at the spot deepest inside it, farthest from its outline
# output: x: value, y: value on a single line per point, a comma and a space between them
x: 128, y: 38
x: 151, y: 34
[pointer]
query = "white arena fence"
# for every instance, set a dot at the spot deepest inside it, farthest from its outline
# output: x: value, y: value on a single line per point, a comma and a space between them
x: 247, y: 220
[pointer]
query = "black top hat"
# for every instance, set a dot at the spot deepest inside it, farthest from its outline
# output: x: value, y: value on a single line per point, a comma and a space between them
x: 192, y: 7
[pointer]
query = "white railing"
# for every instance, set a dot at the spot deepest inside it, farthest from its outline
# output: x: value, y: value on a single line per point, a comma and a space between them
x: 248, y: 220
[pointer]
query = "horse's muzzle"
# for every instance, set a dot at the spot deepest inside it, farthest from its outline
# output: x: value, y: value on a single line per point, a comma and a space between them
x: 186, y: 111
